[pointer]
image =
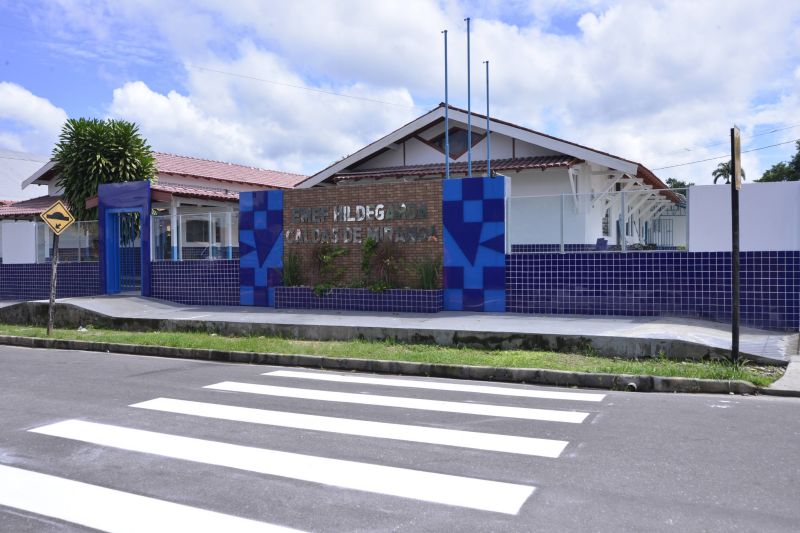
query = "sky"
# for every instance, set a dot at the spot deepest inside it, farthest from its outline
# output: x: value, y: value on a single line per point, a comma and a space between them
x: 298, y: 85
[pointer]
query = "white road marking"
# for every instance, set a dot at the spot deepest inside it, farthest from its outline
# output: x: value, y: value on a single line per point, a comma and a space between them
x: 112, y: 510
x: 439, y: 385
x: 549, y: 415
x: 363, y: 428
x: 446, y: 489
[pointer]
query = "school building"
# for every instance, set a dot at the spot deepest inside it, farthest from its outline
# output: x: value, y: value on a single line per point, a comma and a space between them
x: 543, y: 226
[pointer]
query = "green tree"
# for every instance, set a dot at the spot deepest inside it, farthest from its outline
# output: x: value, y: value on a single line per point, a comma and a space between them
x: 784, y: 171
x: 723, y: 171
x: 91, y: 151
x: 674, y: 183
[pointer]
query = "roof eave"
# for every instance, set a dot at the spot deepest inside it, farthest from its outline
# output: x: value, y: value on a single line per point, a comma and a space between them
x: 497, y: 126
x: 41, y: 173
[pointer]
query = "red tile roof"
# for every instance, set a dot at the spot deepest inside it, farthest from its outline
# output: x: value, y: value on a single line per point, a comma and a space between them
x: 26, y: 208
x: 6, y: 202
x: 478, y: 167
x: 192, y: 192
x: 217, y: 170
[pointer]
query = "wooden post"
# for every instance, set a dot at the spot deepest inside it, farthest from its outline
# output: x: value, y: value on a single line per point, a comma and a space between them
x: 53, y: 283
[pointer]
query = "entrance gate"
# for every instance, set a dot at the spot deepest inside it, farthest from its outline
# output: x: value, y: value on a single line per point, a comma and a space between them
x: 124, y: 216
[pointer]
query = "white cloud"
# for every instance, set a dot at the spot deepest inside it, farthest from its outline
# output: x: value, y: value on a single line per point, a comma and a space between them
x: 32, y: 122
x: 643, y: 80
x: 173, y: 123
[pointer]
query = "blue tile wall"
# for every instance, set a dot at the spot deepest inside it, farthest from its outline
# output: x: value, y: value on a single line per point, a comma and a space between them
x: 196, y: 282
x: 346, y: 299
x: 473, y: 213
x: 32, y: 281
x: 260, y: 246
x: 544, y: 248
x: 683, y: 284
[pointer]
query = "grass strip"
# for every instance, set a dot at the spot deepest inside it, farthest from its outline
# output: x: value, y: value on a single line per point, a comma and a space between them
x: 422, y: 353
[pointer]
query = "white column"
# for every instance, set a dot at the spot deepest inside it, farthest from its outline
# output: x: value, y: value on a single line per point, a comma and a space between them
x: 175, y: 233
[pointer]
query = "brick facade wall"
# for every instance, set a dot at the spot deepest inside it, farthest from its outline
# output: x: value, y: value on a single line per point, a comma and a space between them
x: 326, y: 199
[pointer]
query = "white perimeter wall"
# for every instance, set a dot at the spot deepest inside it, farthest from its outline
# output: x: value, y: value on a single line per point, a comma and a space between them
x: 18, y: 242
x: 769, y: 217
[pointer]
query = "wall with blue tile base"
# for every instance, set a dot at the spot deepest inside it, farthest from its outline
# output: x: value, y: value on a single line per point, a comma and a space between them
x: 695, y: 285
x: 543, y: 248
x: 196, y: 282
x: 473, y: 213
x: 260, y: 247
x: 390, y: 300
x: 32, y: 281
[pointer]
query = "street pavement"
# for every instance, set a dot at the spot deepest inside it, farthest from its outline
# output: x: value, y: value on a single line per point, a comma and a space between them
x: 129, y: 443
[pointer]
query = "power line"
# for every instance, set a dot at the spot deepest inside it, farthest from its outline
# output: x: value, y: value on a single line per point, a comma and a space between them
x: 683, y: 150
x: 726, y: 155
x: 24, y: 159
x: 310, y: 89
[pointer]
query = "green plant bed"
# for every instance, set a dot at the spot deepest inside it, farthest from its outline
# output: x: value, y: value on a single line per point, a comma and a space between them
x: 422, y: 353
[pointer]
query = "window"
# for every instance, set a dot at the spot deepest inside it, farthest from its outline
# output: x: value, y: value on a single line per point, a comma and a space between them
x: 458, y: 141
x: 197, y: 231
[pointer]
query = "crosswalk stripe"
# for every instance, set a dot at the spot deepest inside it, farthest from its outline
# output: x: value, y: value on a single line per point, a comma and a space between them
x: 363, y: 428
x: 112, y: 510
x: 446, y: 489
x: 573, y: 417
x: 439, y: 385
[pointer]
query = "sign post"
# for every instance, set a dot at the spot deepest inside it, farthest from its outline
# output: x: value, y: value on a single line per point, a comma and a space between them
x: 736, y: 184
x: 58, y: 219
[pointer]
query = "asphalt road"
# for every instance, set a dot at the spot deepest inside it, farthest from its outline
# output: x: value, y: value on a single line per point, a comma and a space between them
x: 128, y: 443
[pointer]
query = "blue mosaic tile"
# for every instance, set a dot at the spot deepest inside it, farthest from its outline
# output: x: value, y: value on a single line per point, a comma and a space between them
x: 214, y: 282
x: 32, y: 281
x: 349, y: 299
x: 692, y: 285
x: 260, y: 246
x: 474, y: 241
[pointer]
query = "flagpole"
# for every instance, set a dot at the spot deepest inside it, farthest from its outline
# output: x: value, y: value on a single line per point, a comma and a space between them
x: 488, y: 131
x: 446, y: 115
x: 469, y: 111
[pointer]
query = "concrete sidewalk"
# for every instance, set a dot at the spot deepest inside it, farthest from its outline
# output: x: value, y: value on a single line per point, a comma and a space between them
x: 620, y: 336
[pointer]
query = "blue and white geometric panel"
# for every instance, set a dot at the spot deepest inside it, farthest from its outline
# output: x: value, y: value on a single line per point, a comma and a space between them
x: 473, y: 213
x: 260, y: 247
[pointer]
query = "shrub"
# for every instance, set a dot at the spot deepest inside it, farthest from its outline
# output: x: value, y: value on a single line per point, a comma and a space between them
x: 292, y: 275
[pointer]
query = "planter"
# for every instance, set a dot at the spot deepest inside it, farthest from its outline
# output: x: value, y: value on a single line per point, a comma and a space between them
x: 347, y: 299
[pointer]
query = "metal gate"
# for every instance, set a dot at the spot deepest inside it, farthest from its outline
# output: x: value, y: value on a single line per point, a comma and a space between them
x: 130, y: 255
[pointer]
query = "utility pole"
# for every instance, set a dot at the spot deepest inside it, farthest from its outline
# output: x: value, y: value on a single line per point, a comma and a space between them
x: 736, y: 184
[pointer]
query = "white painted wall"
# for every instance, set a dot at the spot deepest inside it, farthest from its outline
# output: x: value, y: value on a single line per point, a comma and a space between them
x: 18, y: 242
x: 769, y: 218
x: 389, y: 158
x: 419, y: 153
x: 535, y: 207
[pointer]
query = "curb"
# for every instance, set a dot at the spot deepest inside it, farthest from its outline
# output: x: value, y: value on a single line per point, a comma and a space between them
x: 558, y: 378
x: 68, y: 315
x: 786, y: 393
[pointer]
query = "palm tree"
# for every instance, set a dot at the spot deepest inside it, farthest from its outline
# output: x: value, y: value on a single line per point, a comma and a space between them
x: 723, y: 170
x: 91, y: 151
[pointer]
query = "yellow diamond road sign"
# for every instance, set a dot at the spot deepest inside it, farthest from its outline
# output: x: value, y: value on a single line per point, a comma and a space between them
x: 58, y: 217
